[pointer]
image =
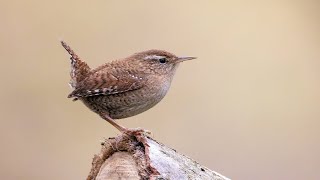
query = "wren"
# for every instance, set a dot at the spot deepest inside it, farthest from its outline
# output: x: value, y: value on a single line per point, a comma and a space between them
x: 124, y: 87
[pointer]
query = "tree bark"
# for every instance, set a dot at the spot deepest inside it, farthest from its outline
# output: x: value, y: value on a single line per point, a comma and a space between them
x: 141, y: 157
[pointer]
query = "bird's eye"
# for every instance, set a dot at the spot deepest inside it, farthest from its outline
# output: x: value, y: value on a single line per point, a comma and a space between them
x: 163, y: 60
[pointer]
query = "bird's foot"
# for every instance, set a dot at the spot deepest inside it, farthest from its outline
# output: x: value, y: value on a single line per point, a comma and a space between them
x: 136, y: 131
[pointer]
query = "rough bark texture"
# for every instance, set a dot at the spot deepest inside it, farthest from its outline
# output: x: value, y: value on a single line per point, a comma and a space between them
x: 141, y: 157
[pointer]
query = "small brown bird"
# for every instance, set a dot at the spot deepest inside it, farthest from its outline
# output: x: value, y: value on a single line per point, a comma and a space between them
x: 124, y: 87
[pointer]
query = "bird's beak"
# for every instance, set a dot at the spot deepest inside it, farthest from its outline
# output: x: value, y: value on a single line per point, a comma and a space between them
x: 185, y: 58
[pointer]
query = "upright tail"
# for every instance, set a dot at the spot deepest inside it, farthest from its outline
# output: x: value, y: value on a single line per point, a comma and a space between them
x: 79, y: 69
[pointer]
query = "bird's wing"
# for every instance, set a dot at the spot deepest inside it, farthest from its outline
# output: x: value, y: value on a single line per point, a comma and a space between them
x: 108, y: 82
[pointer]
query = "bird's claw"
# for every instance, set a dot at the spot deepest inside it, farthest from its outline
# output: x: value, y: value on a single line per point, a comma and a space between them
x: 136, y: 131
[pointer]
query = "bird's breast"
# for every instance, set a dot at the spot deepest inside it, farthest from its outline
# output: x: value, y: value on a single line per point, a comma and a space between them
x: 129, y: 103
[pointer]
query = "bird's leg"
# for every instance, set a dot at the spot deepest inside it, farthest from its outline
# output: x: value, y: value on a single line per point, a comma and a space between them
x: 113, y: 123
x: 122, y: 129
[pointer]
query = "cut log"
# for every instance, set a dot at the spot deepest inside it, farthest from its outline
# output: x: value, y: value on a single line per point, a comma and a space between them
x: 141, y: 157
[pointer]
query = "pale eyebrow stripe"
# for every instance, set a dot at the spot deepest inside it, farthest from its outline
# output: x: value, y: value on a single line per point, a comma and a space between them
x: 153, y: 57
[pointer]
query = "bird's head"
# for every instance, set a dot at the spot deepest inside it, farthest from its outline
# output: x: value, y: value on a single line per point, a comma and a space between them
x: 159, y: 61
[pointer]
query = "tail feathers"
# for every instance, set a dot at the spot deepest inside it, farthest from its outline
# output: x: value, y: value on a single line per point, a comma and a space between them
x: 79, y: 69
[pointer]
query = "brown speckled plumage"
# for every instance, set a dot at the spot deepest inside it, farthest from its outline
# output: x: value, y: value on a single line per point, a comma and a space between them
x: 124, y: 87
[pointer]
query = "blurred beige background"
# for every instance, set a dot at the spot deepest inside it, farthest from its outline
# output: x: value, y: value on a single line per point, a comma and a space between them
x: 248, y: 107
